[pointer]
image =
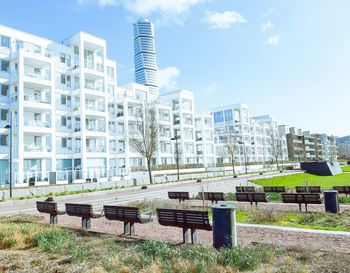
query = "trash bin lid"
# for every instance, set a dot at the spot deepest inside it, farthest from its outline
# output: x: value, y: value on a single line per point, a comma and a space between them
x: 224, y: 206
x: 329, y: 191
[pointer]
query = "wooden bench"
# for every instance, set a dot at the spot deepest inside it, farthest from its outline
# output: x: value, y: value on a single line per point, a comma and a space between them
x: 85, y: 211
x: 308, y: 189
x: 128, y: 215
x: 342, y: 189
x: 302, y: 198
x: 245, y: 189
x: 212, y: 196
x: 179, y: 195
x: 185, y: 219
x: 274, y: 189
x: 252, y: 197
x: 50, y: 208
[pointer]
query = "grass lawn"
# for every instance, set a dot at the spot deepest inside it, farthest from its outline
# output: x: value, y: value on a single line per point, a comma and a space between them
x: 290, y: 181
x: 345, y: 168
x: 310, y: 220
x: 26, y: 246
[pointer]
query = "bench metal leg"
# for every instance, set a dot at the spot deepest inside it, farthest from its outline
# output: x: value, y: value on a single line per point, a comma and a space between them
x: 256, y: 204
x: 185, y: 236
x: 132, y: 229
x: 86, y: 223
x: 53, y: 219
x: 126, y: 228
x: 299, y: 206
x: 306, y: 207
x: 194, y: 238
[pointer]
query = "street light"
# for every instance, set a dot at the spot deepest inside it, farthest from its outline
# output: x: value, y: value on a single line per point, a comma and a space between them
x: 9, y: 126
x: 176, y: 137
x: 245, y: 155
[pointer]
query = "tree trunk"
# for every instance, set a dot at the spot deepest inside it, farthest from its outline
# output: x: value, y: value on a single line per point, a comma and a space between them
x: 277, y: 163
x: 233, y: 168
x: 149, y: 171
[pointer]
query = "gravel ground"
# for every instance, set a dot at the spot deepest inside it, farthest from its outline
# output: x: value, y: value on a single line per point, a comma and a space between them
x: 246, y: 235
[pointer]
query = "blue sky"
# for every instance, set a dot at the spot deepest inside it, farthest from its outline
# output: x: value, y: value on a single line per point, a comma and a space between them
x: 287, y: 58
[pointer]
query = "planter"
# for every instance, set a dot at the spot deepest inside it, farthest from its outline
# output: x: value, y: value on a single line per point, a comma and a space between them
x: 199, y: 180
x: 235, y: 176
x: 261, y: 173
x: 143, y: 187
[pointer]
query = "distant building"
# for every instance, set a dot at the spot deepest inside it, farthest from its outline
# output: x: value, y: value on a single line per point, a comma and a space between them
x: 344, y: 147
x: 257, y: 138
x: 146, y: 69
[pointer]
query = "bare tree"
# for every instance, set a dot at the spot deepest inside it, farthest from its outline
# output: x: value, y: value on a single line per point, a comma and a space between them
x: 231, y: 148
x: 276, y: 146
x: 145, y: 136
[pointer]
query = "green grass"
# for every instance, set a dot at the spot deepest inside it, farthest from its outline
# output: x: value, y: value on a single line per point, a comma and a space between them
x: 345, y: 168
x: 109, y: 255
x: 290, y: 181
x: 311, y: 220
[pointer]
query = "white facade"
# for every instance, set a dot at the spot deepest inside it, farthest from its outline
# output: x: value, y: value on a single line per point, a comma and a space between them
x: 254, y: 136
x: 205, y: 147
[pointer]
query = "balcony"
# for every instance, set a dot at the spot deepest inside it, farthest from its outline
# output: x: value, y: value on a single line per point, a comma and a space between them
x: 95, y: 128
x: 99, y: 108
x: 94, y: 149
x: 37, y: 99
x: 36, y: 148
x: 37, y: 123
x: 41, y: 76
x: 93, y: 66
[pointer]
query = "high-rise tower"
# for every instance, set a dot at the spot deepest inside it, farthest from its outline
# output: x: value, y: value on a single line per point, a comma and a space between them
x: 146, y: 70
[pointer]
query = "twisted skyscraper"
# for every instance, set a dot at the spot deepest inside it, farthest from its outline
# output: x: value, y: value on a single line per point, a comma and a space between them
x: 146, y: 69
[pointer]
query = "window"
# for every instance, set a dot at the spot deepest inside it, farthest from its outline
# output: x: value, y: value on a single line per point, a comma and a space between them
x: 63, y: 78
x: 110, y: 72
x: 5, y: 41
x: 37, y: 117
x: 76, y: 50
x: 64, y: 142
x: 228, y: 115
x: 4, y: 89
x: 4, y: 114
x: 37, y: 140
x: 63, y: 99
x: 3, y: 140
x: 5, y: 65
x: 63, y: 121
x: 218, y: 117
x: 65, y: 59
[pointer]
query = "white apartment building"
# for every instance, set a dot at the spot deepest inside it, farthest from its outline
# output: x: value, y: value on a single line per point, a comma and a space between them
x: 204, y: 126
x: 253, y: 136
x: 58, y: 96
x: 70, y: 119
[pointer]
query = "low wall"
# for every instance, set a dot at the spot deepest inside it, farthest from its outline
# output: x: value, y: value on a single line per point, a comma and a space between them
x: 18, y: 192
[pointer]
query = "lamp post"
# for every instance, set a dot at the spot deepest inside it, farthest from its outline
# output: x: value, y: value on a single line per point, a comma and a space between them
x: 176, y: 137
x: 9, y: 126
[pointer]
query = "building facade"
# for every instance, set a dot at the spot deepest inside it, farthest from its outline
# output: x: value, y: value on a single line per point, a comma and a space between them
x: 146, y: 69
x: 256, y: 139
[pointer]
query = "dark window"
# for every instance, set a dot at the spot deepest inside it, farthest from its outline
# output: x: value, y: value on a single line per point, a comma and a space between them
x: 5, y: 41
x: 64, y: 142
x: 63, y: 100
x: 4, y: 114
x: 3, y: 140
x: 5, y: 65
x: 63, y: 121
x: 4, y: 89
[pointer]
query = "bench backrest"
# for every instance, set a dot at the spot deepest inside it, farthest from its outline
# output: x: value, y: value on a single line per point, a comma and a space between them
x: 342, y: 189
x: 181, y: 195
x: 121, y: 213
x: 274, y: 189
x: 245, y: 189
x: 80, y: 210
x: 302, y: 198
x: 184, y: 218
x: 310, y: 189
x: 213, y: 196
x: 251, y: 197
x: 47, y: 207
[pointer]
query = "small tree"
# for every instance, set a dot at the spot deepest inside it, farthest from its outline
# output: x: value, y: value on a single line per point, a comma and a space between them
x: 145, y: 137
x: 276, y: 146
x: 231, y: 148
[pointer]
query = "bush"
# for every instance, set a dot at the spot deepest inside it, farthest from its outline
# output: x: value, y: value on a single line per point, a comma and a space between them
x: 344, y: 199
x: 230, y: 197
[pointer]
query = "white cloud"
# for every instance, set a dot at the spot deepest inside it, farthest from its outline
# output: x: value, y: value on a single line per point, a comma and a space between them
x: 210, y: 88
x: 267, y: 26
x: 168, y: 76
x: 100, y: 3
x: 273, y: 40
x: 146, y: 7
x: 224, y: 19
x: 268, y: 12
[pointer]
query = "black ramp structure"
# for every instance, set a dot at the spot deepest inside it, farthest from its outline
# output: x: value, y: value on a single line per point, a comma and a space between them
x: 323, y: 168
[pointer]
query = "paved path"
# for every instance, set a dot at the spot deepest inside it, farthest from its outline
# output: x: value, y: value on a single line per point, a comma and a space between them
x: 118, y: 196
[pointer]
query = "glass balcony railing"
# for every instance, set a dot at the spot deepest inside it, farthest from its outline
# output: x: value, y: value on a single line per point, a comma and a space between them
x: 36, y: 148
x: 95, y: 128
x: 37, y: 99
x: 37, y: 123
x: 93, y: 66
x: 45, y: 77
x: 95, y: 149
